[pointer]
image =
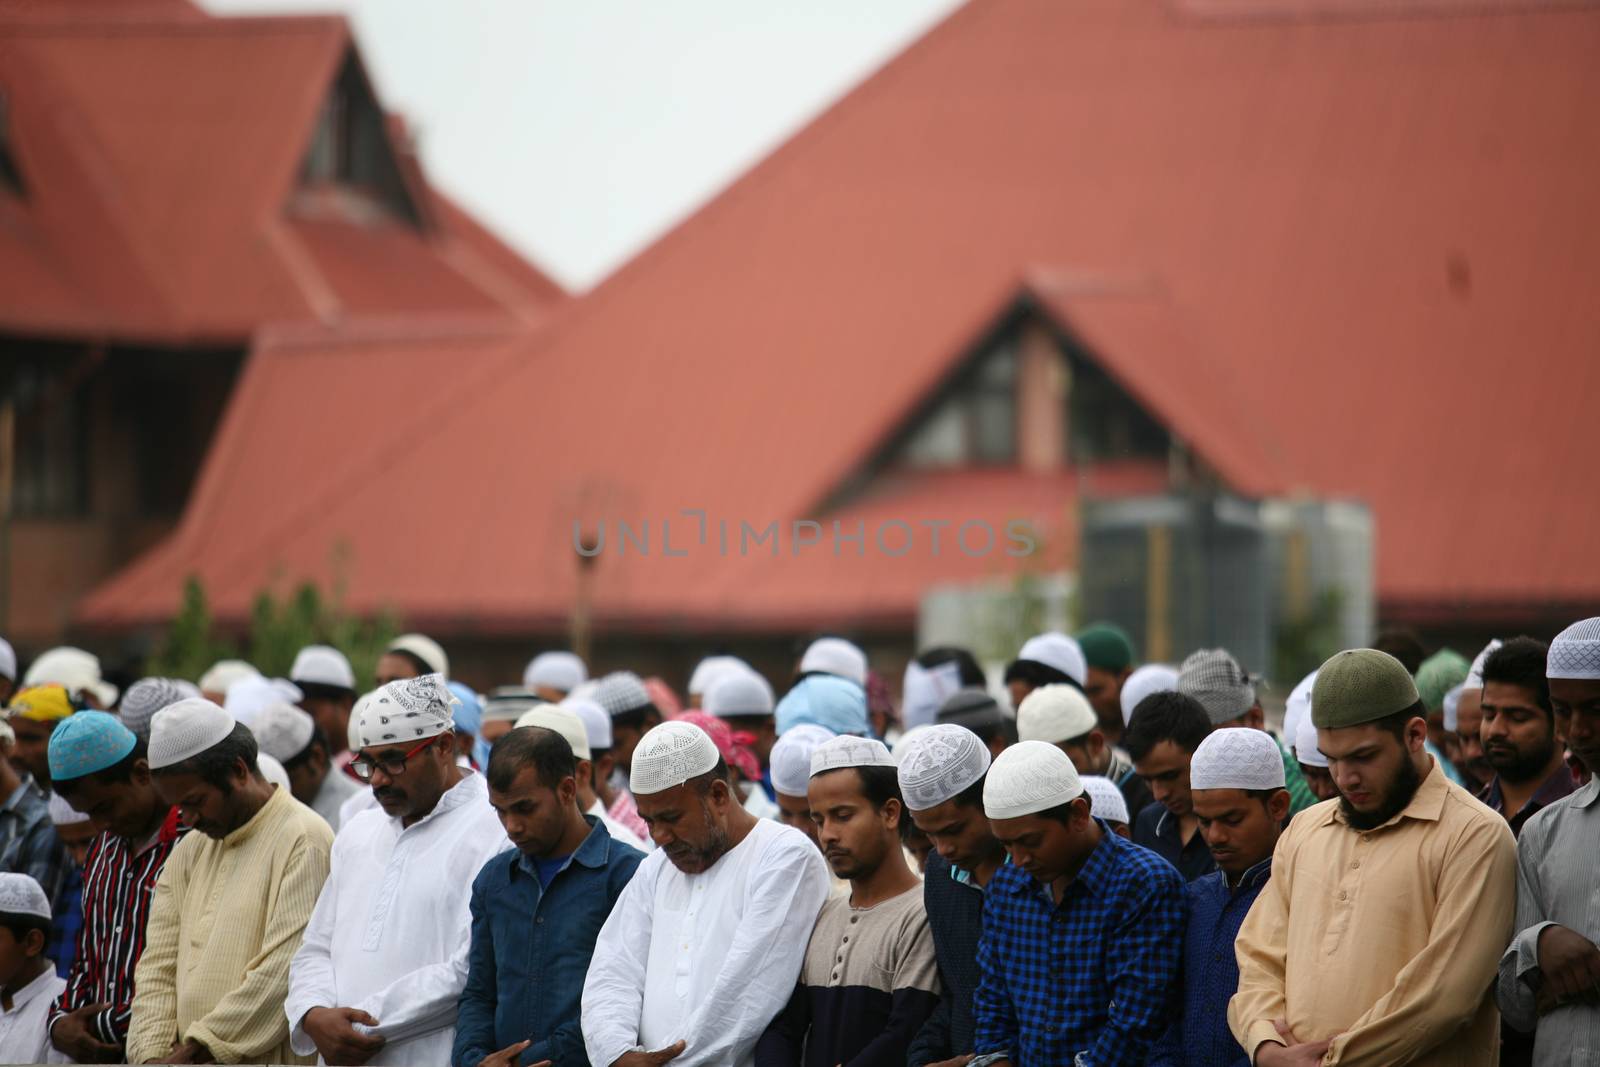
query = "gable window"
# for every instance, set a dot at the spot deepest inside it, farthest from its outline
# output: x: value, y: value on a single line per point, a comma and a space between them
x: 1104, y: 423
x: 350, y: 154
x: 975, y: 423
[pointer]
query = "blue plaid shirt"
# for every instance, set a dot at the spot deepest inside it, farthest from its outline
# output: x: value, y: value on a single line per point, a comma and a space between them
x: 1095, y: 974
x: 1200, y: 1035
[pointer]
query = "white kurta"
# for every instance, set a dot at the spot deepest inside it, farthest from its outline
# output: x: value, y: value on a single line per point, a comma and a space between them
x: 23, y: 1037
x: 617, y: 831
x: 709, y: 958
x: 390, y: 932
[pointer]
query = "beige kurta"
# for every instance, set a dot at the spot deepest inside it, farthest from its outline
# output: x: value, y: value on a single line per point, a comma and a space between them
x: 1389, y: 937
x: 225, y: 922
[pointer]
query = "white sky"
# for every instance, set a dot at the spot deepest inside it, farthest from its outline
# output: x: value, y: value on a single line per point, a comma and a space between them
x: 582, y: 130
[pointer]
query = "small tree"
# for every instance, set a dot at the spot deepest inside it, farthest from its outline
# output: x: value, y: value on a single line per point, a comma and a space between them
x: 278, y: 630
x: 192, y: 644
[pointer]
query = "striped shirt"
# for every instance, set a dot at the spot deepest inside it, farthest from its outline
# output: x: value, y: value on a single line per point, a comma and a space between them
x: 225, y: 921
x: 869, y: 982
x: 118, y: 885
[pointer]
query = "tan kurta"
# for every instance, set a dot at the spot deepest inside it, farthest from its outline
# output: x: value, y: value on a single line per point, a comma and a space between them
x: 226, y: 920
x: 1389, y: 937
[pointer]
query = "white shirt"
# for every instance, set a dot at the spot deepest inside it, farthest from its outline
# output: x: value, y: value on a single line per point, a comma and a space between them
x: 390, y: 931
x: 336, y: 788
x: 757, y: 803
x: 709, y: 958
x: 617, y: 830
x: 23, y: 1036
x: 359, y: 801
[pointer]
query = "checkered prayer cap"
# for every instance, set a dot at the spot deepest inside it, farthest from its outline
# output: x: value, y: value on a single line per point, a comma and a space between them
x: 1575, y: 653
x: 1215, y: 679
x: 621, y: 692
x: 939, y: 763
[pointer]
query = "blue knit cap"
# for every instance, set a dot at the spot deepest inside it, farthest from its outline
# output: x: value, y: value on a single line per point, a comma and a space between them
x: 838, y: 704
x: 87, y: 742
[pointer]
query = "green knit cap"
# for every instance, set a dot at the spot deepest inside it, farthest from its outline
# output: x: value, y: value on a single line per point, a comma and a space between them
x: 1360, y: 685
x: 1106, y: 647
x: 1440, y: 673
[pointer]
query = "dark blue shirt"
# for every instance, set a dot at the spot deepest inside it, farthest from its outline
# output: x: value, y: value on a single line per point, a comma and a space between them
x: 1094, y: 974
x: 531, y: 947
x: 1157, y: 829
x: 955, y: 915
x: 1200, y: 1037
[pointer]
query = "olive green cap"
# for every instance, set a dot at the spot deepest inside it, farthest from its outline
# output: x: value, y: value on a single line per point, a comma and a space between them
x: 1360, y: 685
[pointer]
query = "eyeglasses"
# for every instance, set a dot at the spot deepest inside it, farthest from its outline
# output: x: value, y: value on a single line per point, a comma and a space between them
x: 392, y: 765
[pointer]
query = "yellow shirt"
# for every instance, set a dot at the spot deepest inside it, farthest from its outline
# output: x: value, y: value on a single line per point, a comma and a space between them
x: 225, y: 922
x: 1389, y: 937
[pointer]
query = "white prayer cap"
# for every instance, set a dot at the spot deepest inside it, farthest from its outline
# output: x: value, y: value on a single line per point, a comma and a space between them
x: 223, y: 673
x: 924, y: 690
x: 8, y: 736
x: 563, y: 721
x: 8, y: 660
x: 424, y: 648
x: 1297, y: 707
x: 186, y: 729
x: 282, y: 731
x: 1027, y: 778
x: 272, y: 770
x: 408, y: 709
x: 1151, y: 678
x: 21, y: 895
x: 555, y: 670
x: 739, y: 693
x: 1305, y: 742
x: 1060, y: 652
x: 939, y: 763
x: 596, y: 723
x: 1575, y: 653
x: 669, y: 755
x: 1055, y: 713
x: 835, y: 655
x: 839, y: 753
x: 1475, y: 674
x: 249, y: 696
x: 1105, y: 799
x: 710, y: 669
x: 1237, y: 758
x: 352, y: 731
x: 74, y: 670
x: 323, y: 665
x: 63, y: 813
x: 621, y: 692
x: 1452, y: 708
x: 791, y: 758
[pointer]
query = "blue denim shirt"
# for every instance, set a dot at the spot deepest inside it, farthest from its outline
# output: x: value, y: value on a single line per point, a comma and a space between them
x: 1200, y: 1035
x: 531, y: 947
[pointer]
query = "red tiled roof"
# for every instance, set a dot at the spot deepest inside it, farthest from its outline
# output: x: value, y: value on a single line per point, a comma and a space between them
x: 1364, y: 251
x: 160, y: 148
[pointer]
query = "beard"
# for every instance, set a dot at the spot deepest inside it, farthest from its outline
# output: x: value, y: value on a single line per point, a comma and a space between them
x: 1515, y: 765
x: 1394, y: 800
